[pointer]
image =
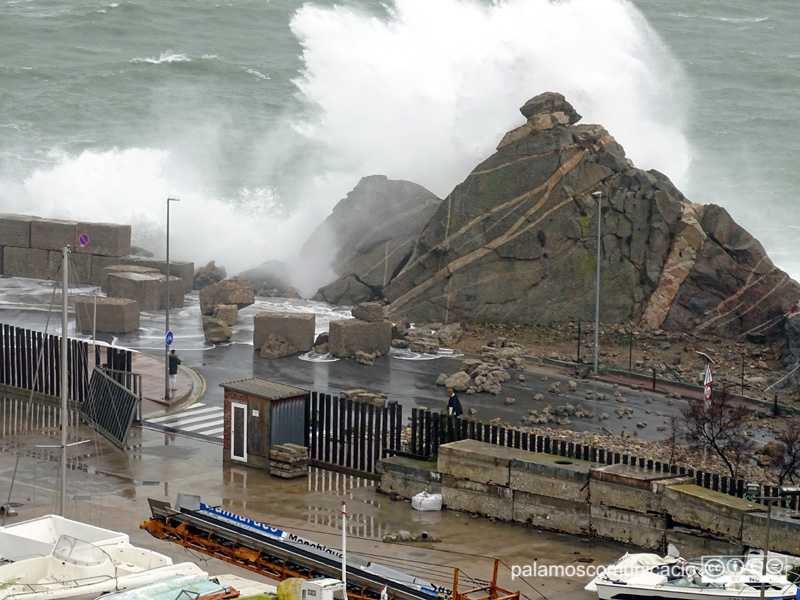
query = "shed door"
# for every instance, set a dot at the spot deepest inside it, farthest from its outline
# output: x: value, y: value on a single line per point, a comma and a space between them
x: 238, y: 431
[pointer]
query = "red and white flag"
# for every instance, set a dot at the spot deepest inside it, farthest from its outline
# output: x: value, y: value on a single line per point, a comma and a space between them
x: 707, y: 381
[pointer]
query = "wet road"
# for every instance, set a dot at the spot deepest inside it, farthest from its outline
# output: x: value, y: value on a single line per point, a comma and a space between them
x: 409, y: 381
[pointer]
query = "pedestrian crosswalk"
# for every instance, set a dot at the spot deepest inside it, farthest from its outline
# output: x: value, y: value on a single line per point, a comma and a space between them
x: 198, y: 420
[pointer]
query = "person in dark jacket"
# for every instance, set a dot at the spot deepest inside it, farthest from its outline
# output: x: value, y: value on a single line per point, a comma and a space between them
x: 174, y: 361
x: 454, y: 404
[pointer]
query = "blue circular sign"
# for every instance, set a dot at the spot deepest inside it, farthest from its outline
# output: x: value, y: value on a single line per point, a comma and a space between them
x: 83, y: 239
x: 169, y: 338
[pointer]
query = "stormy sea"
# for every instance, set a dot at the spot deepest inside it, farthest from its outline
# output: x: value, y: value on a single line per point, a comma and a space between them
x: 261, y: 114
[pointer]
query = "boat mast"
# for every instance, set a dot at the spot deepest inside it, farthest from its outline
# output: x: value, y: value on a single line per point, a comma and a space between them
x: 64, y: 378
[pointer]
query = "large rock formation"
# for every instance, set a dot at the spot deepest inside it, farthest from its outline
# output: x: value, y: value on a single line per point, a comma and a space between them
x: 369, y: 236
x: 517, y: 242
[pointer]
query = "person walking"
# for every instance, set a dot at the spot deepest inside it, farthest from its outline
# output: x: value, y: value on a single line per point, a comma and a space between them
x: 174, y: 361
x: 454, y: 404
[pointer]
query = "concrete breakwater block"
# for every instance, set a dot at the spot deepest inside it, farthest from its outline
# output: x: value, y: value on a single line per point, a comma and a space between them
x: 15, y: 230
x: 113, y: 315
x: 148, y: 290
x: 183, y: 270
x: 105, y: 239
x: 348, y: 336
x: 80, y: 266
x: 114, y: 269
x: 25, y: 262
x: 295, y: 328
x: 52, y: 234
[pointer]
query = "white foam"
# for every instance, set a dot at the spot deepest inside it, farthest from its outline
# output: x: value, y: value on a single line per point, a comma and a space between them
x: 165, y: 58
x: 428, y: 93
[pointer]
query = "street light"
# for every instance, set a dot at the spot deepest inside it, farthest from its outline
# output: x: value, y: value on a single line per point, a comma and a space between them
x: 598, y: 195
x: 166, y: 332
x: 752, y: 489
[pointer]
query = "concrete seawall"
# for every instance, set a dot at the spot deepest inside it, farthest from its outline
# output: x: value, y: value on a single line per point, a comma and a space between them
x: 623, y: 503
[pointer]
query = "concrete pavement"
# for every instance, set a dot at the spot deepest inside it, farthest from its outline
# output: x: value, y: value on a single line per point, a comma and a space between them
x: 190, y: 385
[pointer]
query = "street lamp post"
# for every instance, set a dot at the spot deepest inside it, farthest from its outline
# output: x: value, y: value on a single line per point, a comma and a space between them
x: 166, y: 331
x: 598, y: 195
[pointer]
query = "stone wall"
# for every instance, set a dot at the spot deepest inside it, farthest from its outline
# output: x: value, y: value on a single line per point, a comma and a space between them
x: 628, y: 504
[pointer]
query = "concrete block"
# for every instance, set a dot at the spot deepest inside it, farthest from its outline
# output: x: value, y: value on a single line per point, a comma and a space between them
x: 184, y: 270
x: 124, y: 269
x: 480, y: 498
x: 784, y: 534
x: 295, y: 328
x: 476, y: 461
x: 408, y: 477
x: 552, y: 514
x: 148, y: 290
x: 644, y: 531
x: 347, y: 336
x: 551, y: 475
x: 105, y: 239
x: 52, y: 234
x: 631, y: 488
x: 80, y: 266
x: 113, y: 315
x: 228, y: 291
x: 705, y: 509
x: 692, y: 542
x: 25, y: 262
x: 15, y: 230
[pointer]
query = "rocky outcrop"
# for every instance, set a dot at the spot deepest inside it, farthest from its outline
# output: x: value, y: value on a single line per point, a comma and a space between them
x: 208, y: 275
x: 270, y: 280
x: 517, y: 242
x: 370, y: 234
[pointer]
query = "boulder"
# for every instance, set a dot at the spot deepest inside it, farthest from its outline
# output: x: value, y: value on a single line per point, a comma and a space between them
x: 229, y: 291
x: 208, y: 275
x: 226, y: 312
x: 459, y: 381
x: 371, y: 312
x: 346, y: 290
x: 216, y: 330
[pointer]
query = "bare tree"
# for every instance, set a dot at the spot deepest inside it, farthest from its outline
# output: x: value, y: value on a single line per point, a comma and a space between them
x: 719, y: 426
x: 787, y: 460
